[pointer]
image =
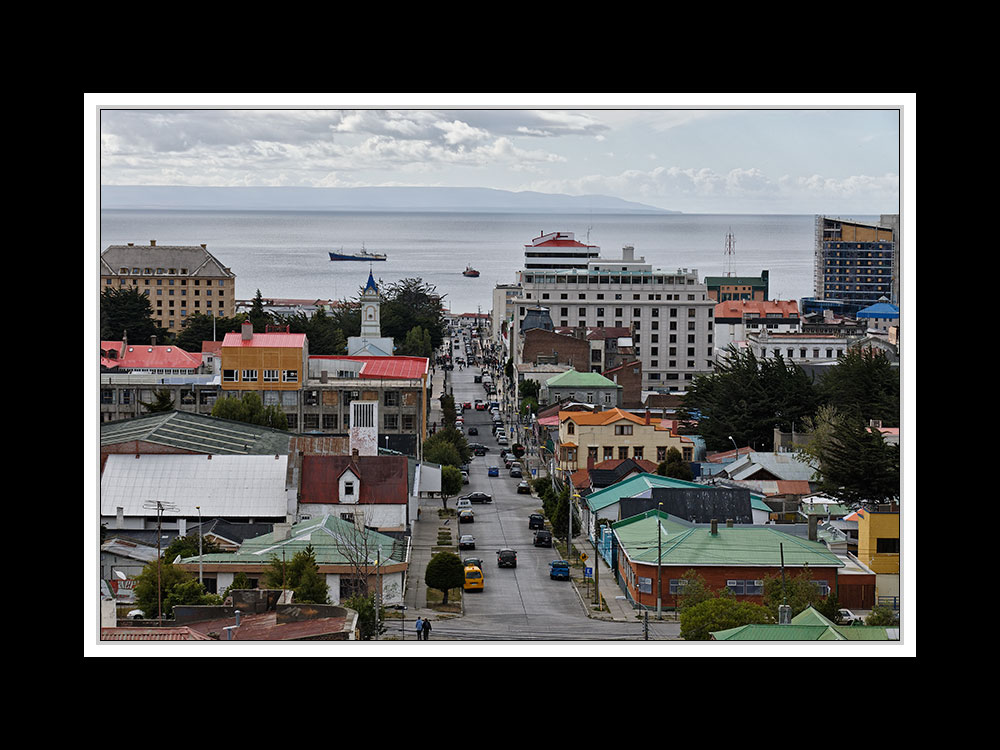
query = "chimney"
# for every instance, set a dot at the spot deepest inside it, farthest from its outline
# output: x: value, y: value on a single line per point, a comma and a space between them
x: 247, y: 330
x: 282, y: 531
x: 647, y: 415
x: 354, y: 453
x: 152, y: 243
x: 715, y: 527
x: 729, y: 523
x: 152, y: 340
x: 590, y: 461
x: 812, y: 527
x: 120, y: 517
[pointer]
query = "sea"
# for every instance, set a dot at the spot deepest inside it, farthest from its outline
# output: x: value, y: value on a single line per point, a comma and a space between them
x: 284, y: 254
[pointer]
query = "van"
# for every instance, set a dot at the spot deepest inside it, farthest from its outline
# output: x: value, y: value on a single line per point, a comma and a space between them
x: 474, y: 580
x: 463, y: 503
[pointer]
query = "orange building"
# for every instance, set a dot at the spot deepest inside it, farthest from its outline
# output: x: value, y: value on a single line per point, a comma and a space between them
x: 264, y: 361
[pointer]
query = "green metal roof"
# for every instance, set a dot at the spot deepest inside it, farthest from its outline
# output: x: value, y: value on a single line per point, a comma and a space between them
x: 740, y: 545
x: 198, y: 433
x: 808, y: 625
x: 574, y: 379
x: 641, y: 483
x: 334, y: 541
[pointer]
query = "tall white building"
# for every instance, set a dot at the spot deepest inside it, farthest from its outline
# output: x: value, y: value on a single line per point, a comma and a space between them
x: 669, y: 312
x: 370, y: 343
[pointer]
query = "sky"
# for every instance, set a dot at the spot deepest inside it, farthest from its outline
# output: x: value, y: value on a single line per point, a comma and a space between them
x: 708, y: 154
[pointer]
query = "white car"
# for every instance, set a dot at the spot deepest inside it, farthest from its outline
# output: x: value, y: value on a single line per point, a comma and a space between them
x: 849, y: 618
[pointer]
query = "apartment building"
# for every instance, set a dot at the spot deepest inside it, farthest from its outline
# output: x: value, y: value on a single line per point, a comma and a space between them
x: 591, y: 437
x: 856, y: 262
x: 669, y: 314
x: 734, y: 319
x: 180, y: 280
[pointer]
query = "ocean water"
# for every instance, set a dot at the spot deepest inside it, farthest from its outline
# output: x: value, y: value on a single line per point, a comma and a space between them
x: 284, y: 253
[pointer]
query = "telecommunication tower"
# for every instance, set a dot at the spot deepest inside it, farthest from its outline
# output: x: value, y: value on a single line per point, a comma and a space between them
x: 730, y: 252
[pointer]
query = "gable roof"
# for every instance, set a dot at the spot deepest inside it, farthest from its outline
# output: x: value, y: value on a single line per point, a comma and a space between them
x: 610, y: 416
x: 147, y: 356
x: 808, y: 625
x: 270, y: 340
x: 383, y: 479
x: 388, y: 367
x: 574, y: 379
x: 682, y: 544
x: 334, y: 542
x: 197, y: 433
x: 630, y: 488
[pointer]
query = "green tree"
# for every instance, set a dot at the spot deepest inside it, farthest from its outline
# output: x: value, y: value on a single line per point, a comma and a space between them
x: 170, y: 576
x: 411, y: 303
x: 250, y: 409
x: 675, y: 466
x: 694, y: 592
x: 856, y: 464
x: 447, y: 446
x: 325, y: 337
x: 559, y: 514
x: 299, y: 575
x: 417, y: 343
x: 199, y: 327
x: 529, y: 389
x: 719, y: 613
x: 444, y: 572
x: 796, y: 590
x: 368, y: 623
x: 128, y: 310
x: 163, y: 400
x: 189, y: 592
x: 746, y: 398
x: 187, y: 546
x: 258, y: 315
x: 240, y: 583
x: 865, y: 384
x: 882, y: 615
x: 451, y: 483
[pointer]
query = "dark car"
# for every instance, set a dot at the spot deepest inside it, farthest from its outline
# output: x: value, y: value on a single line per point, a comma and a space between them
x: 536, y: 521
x: 472, y: 431
x: 480, y: 451
x: 543, y: 538
x: 479, y: 497
x: 523, y: 488
x: 473, y: 561
x: 515, y: 472
x: 467, y: 541
x: 466, y: 516
x: 506, y: 558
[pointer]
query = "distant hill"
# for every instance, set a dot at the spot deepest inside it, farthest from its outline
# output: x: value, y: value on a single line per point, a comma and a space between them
x: 361, y: 199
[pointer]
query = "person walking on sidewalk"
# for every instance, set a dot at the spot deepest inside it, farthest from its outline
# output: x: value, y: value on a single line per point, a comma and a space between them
x: 427, y: 629
x: 419, y: 628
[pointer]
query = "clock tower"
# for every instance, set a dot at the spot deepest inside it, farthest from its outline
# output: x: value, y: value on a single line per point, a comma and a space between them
x: 370, y: 343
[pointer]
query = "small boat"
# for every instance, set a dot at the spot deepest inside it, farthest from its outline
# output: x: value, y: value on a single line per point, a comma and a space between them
x: 470, y: 271
x: 361, y: 255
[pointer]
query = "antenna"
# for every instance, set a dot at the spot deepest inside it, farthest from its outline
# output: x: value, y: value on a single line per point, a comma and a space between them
x: 730, y: 251
x: 160, y: 507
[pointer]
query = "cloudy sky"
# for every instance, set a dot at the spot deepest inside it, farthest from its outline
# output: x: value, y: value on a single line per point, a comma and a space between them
x: 712, y: 156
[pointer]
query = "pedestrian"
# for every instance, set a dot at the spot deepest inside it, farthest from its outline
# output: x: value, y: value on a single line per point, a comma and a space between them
x: 427, y: 629
x: 419, y: 627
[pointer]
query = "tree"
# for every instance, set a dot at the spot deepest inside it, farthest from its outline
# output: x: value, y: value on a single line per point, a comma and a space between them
x: 258, y: 315
x: 798, y: 591
x: 864, y: 383
x: 299, y: 575
x: 882, y: 615
x: 148, y: 595
x: 199, y: 327
x: 675, y: 466
x: 856, y: 464
x: 447, y: 446
x: 529, y: 389
x: 322, y: 330
x: 719, y: 613
x: 417, y: 343
x: 560, y: 512
x: 694, y: 592
x: 451, y: 483
x: 128, y: 310
x: 445, y: 571
x: 411, y: 303
x: 187, y: 546
x: 240, y: 583
x: 368, y: 623
x: 250, y: 409
x: 163, y: 400
x: 747, y: 398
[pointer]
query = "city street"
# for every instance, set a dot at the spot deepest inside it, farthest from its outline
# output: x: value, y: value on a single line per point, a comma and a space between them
x: 520, y: 603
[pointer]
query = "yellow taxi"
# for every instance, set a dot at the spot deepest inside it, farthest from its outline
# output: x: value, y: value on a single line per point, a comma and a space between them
x: 473, y: 579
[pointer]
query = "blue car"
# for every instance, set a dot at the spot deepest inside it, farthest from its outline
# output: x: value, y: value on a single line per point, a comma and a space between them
x: 493, y: 472
x: 559, y: 569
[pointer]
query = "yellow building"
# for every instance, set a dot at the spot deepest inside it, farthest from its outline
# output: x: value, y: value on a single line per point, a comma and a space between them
x: 178, y: 280
x: 264, y: 361
x: 878, y: 539
x: 615, y: 434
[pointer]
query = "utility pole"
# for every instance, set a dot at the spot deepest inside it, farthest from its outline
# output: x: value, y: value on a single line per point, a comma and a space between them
x: 160, y: 507
x: 201, y: 578
x: 659, y: 554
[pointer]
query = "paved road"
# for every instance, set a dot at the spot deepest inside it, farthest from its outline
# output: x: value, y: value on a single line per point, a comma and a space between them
x: 520, y: 603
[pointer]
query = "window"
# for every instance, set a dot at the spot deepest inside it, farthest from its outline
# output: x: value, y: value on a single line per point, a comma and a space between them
x: 623, y: 453
x: 270, y: 376
x: 249, y: 376
x: 637, y: 452
x: 736, y: 587
x: 677, y: 585
x: 623, y: 429
x: 571, y: 428
x: 755, y: 588
x: 229, y: 376
x: 349, y: 488
x: 290, y: 376
x: 887, y: 546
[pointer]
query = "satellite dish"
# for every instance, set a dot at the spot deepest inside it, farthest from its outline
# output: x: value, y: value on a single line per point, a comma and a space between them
x: 121, y: 576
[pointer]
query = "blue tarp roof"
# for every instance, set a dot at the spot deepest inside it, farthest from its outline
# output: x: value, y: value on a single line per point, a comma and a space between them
x: 879, y: 310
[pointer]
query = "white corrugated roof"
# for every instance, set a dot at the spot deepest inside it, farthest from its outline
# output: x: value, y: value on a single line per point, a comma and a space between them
x: 228, y: 486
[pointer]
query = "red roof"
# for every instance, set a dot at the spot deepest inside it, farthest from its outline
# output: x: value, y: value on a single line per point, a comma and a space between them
x: 382, y: 478
x: 756, y: 308
x: 389, y: 368
x: 145, y: 356
x: 266, y: 340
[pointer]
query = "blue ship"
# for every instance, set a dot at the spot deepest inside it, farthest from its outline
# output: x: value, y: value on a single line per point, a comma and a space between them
x: 362, y: 255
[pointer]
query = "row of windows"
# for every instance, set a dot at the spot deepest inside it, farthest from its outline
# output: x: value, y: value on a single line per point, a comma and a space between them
x: 251, y: 376
x: 608, y: 453
x: 635, y: 277
x: 170, y: 282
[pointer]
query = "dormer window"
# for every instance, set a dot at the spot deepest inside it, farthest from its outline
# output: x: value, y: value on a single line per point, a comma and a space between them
x: 348, y: 489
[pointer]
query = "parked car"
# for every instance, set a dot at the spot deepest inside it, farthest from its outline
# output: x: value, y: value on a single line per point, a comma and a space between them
x: 467, y: 405
x: 466, y: 516
x: 515, y: 472
x: 463, y: 502
x: 559, y: 570
x: 493, y: 471
x: 501, y: 439
x: 536, y: 521
x: 523, y: 488
x: 465, y: 477
x: 474, y: 580
x: 506, y: 558
x: 467, y: 541
x: 473, y: 431
x: 543, y: 538
x: 479, y: 497
x: 847, y: 617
